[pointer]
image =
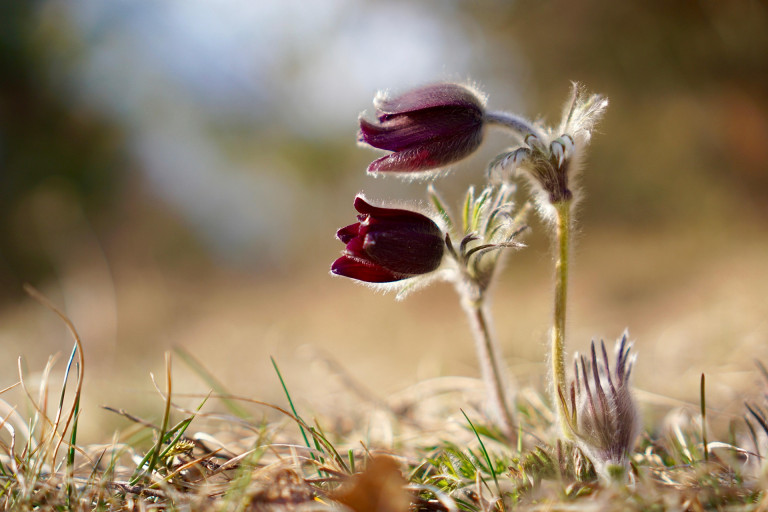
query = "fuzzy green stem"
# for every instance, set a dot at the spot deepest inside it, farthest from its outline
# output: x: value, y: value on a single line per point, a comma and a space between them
x: 490, y: 365
x: 563, y: 234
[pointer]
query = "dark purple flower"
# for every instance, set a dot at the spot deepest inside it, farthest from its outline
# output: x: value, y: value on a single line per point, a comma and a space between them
x: 426, y: 128
x: 388, y: 245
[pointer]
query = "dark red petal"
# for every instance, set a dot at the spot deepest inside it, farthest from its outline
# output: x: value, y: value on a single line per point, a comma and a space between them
x: 394, y: 135
x: 399, y: 132
x: 415, y: 160
x: 364, y: 271
x: 356, y: 249
x: 377, y: 212
x: 414, y: 251
x: 435, y: 95
x: 347, y: 233
x: 428, y: 156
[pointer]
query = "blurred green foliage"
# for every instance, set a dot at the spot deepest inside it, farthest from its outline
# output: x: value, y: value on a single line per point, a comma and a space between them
x: 44, y: 142
x: 685, y: 138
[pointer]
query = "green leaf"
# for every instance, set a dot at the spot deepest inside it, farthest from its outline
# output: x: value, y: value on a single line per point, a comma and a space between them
x: 468, y: 201
x: 437, y: 202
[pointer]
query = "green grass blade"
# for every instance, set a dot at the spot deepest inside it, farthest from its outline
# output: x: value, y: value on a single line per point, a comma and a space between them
x: 351, y: 457
x: 704, y: 418
x: 321, y: 438
x: 290, y: 403
x: 71, y: 453
x: 485, y: 452
x: 66, y: 376
x: 179, y: 433
x: 155, y: 451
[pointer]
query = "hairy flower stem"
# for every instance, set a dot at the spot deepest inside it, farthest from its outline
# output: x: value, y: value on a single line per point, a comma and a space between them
x: 559, y: 389
x: 513, y: 122
x: 490, y: 365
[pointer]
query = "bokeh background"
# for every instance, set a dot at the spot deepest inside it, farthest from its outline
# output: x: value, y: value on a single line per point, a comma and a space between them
x: 172, y: 175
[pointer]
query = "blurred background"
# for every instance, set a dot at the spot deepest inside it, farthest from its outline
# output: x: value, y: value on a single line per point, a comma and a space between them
x: 172, y: 175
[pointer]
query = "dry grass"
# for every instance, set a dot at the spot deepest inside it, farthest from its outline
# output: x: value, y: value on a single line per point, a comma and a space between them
x: 429, y: 447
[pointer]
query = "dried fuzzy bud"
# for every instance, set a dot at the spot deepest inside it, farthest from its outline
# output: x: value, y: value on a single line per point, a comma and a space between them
x: 602, y: 415
x: 388, y: 244
x: 426, y: 128
x: 552, y: 156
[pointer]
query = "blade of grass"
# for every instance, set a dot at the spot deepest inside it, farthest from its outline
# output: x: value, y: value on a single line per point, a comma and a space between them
x: 296, y: 414
x: 151, y: 452
x: 758, y: 415
x: 78, y: 349
x: 73, y: 434
x: 704, y: 419
x: 155, y: 451
x: 290, y: 403
x: 485, y: 452
x: 180, y: 429
x: 71, y: 453
x: 763, y: 371
x: 321, y: 438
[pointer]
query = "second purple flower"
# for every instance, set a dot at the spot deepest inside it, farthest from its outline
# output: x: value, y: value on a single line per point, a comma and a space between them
x: 425, y: 128
x: 388, y: 244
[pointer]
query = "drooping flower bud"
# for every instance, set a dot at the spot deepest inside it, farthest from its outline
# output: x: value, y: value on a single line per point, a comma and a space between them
x: 388, y: 244
x: 426, y: 128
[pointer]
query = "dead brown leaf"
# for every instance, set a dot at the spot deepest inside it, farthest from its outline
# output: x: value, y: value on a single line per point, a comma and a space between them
x: 380, y: 488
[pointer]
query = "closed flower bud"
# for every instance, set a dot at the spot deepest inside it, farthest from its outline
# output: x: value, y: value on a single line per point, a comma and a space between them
x: 388, y: 245
x: 603, y: 416
x: 426, y: 128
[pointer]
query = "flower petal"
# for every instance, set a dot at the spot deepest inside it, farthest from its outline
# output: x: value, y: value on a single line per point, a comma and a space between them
x: 347, y: 233
x: 435, y: 95
x: 366, y: 208
x: 399, y: 132
x: 426, y: 157
x: 411, y: 252
x: 364, y: 271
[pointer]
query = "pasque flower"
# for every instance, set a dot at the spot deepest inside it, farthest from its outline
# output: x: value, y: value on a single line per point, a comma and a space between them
x: 388, y: 244
x: 425, y: 128
x: 602, y: 415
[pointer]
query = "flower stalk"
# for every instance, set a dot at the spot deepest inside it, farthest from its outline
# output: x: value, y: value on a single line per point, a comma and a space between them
x: 490, y: 223
x: 551, y: 158
x: 563, y: 236
x: 488, y: 354
x: 517, y: 124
